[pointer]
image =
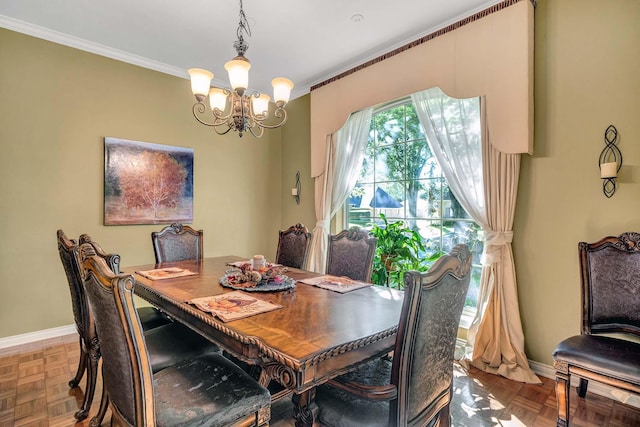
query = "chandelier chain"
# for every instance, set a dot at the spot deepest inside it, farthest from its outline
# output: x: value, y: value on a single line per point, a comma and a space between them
x: 243, y: 27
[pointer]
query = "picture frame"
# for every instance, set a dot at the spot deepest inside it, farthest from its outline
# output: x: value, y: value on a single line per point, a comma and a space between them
x: 147, y: 183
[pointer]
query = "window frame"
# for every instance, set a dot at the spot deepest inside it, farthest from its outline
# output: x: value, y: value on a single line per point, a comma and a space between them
x: 343, y: 217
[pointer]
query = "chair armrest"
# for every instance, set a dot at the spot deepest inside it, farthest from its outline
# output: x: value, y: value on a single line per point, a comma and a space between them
x: 372, y: 392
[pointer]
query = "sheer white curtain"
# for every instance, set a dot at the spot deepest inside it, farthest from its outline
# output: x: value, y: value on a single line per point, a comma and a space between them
x: 485, y: 182
x: 453, y: 128
x: 345, y: 150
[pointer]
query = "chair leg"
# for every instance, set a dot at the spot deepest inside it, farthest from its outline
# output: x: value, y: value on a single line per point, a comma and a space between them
x: 562, y: 397
x: 582, y: 388
x: 102, y: 410
x: 92, y: 374
x: 82, y: 366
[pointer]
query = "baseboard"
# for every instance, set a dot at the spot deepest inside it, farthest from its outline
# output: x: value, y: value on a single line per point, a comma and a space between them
x: 594, y: 387
x: 37, y: 336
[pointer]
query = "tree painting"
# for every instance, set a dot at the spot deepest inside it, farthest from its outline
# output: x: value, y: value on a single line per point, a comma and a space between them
x: 147, y: 183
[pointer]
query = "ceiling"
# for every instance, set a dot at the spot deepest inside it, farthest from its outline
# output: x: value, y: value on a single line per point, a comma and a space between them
x: 303, y: 40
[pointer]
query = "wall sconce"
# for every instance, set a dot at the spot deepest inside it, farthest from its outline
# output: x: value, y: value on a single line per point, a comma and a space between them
x: 610, y: 161
x: 295, y: 191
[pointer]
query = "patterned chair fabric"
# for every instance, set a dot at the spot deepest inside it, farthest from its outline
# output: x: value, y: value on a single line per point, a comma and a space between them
x: 293, y: 246
x: 414, y: 388
x: 205, y: 390
x: 350, y: 254
x: 177, y: 242
x: 157, y: 327
x: 610, y: 287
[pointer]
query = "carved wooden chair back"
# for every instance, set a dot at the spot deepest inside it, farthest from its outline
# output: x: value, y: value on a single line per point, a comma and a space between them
x: 126, y: 365
x: 422, y: 368
x: 206, y: 390
x: 177, y: 242
x: 66, y: 248
x: 89, y: 346
x: 350, y: 253
x: 414, y: 389
x: 113, y: 260
x: 293, y: 246
x: 610, y: 284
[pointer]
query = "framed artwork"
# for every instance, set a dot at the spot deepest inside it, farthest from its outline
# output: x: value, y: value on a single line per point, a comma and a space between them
x: 147, y: 183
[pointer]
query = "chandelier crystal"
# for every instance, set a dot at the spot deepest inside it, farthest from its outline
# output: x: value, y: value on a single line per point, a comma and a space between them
x: 247, y: 113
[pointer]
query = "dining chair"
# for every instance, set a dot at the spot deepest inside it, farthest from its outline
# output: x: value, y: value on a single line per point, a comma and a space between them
x: 89, y: 346
x: 150, y: 317
x: 607, y: 350
x: 205, y: 390
x: 415, y: 386
x: 350, y: 253
x: 158, y: 330
x: 293, y: 246
x: 177, y: 242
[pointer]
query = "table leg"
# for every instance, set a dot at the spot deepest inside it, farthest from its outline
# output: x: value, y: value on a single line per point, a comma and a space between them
x: 305, y: 410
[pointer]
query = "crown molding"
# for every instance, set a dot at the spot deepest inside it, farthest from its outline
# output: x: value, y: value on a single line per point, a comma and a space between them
x: 96, y: 48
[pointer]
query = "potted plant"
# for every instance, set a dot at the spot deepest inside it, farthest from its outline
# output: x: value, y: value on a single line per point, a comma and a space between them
x: 398, y: 249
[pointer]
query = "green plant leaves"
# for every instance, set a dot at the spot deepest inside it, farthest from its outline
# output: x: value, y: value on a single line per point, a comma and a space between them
x: 397, y: 251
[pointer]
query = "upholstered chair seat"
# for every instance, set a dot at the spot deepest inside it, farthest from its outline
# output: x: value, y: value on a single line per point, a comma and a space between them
x: 173, y: 343
x: 612, y: 357
x: 338, y: 405
x: 414, y: 387
x: 211, y: 388
x: 151, y: 317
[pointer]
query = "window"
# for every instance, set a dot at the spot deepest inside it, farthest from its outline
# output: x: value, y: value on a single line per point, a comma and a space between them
x: 401, y: 179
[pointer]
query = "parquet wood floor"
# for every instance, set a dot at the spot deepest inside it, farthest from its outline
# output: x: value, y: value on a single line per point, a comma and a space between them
x: 34, y: 391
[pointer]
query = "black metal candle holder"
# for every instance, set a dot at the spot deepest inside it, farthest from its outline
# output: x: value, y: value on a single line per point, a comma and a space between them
x: 611, y: 156
x: 298, y: 188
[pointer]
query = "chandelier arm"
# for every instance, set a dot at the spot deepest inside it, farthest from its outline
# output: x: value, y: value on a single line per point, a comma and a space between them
x: 199, y: 107
x: 220, y: 116
x: 258, y: 134
x: 224, y: 132
x: 279, y: 113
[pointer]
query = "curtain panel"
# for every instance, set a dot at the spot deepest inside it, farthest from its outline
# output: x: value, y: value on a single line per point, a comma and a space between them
x: 345, y: 151
x: 485, y: 182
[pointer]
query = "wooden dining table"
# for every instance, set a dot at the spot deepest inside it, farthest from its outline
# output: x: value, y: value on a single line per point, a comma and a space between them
x: 317, y: 335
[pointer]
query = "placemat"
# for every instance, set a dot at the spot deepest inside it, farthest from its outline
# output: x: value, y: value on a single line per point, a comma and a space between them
x: 339, y: 284
x: 233, y: 305
x: 166, y: 273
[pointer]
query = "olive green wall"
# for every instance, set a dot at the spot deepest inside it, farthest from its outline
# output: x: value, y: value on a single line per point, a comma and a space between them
x: 587, y: 57
x: 586, y: 60
x: 56, y: 106
x: 296, y: 156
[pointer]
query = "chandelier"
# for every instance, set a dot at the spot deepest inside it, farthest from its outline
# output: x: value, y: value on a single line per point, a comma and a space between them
x: 247, y: 113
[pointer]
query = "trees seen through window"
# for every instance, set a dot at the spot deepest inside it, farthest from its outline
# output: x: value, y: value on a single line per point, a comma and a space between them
x: 401, y: 179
